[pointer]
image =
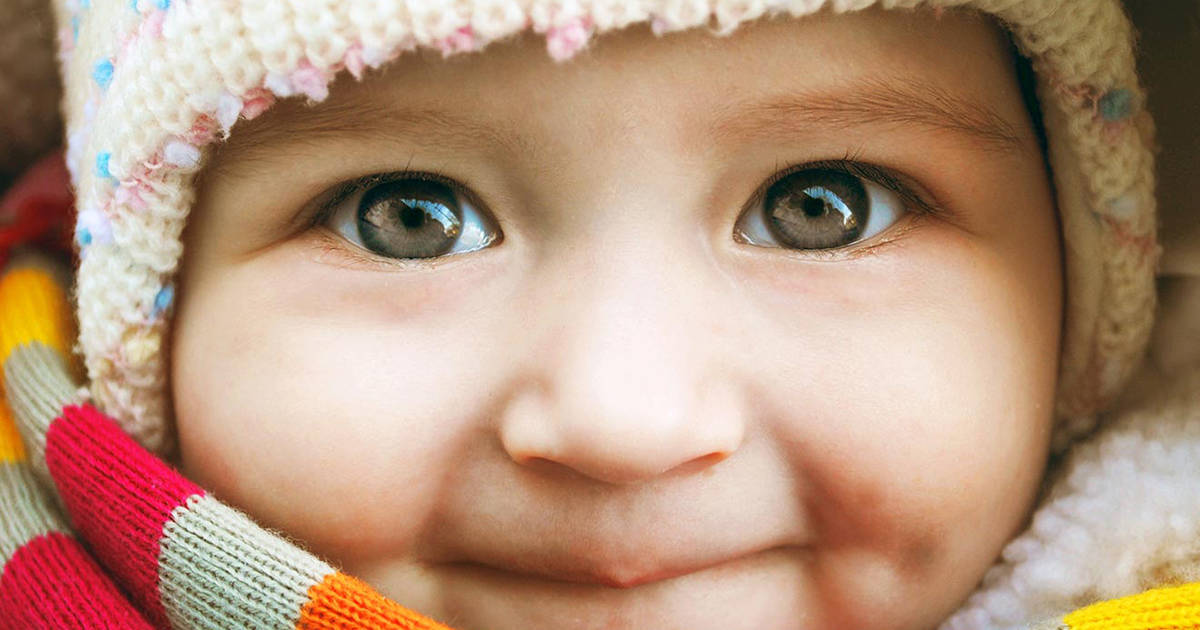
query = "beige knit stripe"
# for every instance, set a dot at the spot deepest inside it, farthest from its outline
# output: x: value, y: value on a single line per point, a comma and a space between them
x: 25, y: 512
x: 218, y: 570
x: 38, y: 385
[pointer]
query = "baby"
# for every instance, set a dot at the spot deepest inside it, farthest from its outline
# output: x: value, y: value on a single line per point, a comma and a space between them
x: 776, y: 329
x: 633, y: 341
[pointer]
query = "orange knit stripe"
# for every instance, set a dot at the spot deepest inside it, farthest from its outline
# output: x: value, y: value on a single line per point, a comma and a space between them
x: 340, y: 602
x: 34, y: 307
x: 11, y: 447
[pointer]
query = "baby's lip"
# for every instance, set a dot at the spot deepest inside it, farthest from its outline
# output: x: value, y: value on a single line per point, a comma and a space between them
x: 593, y: 566
x: 605, y: 575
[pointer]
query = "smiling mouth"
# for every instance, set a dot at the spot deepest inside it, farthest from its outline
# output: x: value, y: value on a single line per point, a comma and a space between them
x: 598, y: 577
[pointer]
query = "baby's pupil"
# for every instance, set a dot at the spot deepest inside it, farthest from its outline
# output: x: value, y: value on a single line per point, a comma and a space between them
x: 817, y: 209
x: 412, y: 217
x: 409, y: 218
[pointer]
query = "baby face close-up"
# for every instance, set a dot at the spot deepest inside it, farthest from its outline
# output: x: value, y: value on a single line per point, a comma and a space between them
x: 757, y: 331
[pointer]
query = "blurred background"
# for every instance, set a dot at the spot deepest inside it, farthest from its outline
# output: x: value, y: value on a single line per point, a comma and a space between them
x: 1170, y: 66
x: 29, y: 123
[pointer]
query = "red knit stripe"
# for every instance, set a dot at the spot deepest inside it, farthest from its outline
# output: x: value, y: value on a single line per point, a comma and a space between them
x: 51, y: 583
x: 118, y: 496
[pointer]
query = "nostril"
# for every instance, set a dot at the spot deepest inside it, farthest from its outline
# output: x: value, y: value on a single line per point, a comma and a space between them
x: 615, y: 473
x: 524, y: 459
x: 548, y: 467
x: 700, y: 463
x: 534, y: 462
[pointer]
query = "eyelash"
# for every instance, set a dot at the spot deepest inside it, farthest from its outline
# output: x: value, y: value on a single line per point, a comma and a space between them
x: 920, y: 203
x: 913, y: 200
x: 346, y: 189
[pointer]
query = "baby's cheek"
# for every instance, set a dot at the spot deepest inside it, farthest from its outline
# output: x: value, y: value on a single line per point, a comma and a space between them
x: 914, y: 408
x: 316, y: 428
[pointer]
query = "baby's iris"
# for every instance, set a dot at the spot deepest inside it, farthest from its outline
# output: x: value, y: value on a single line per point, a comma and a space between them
x: 817, y: 209
x: 410, y: 217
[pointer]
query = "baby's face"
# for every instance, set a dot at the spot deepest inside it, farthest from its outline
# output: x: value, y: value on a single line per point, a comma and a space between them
x: 688, y: 332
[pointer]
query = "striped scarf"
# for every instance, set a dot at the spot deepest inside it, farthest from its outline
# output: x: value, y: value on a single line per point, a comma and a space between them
x: 140, y: 546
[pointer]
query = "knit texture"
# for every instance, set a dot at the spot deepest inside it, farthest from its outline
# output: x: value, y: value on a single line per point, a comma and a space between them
x: 150, y: 84
x: 47, y: 579
x: 52, y: 583
x: 1159, y: 609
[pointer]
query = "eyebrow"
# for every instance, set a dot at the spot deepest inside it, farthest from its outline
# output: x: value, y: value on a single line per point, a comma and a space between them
x: 874, y: 102
x: 294, y: 126
x: 891, y: 103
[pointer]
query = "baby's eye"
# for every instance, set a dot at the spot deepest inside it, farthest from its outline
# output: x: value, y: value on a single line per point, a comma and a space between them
x: 415, y: 216
x: 819, y: 208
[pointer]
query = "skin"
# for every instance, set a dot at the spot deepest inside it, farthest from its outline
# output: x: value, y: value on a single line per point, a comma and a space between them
x: 619, y: 415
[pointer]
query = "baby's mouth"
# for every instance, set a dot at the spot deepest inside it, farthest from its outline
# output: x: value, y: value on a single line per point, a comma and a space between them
x: 599, y: 573
x: 763, y: 589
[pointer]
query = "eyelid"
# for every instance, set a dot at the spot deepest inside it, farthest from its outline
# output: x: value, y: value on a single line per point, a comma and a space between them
x: 327, y: 202
x: 919, y: 201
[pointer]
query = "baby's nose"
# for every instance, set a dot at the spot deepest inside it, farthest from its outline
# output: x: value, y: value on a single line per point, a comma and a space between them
x: 633, y: 435
x: 632, y: 385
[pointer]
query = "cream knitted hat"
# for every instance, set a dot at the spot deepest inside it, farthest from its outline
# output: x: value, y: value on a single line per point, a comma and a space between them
x: 151, y: 84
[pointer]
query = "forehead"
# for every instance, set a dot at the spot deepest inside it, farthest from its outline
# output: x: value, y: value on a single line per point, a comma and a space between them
x: 949, y: 73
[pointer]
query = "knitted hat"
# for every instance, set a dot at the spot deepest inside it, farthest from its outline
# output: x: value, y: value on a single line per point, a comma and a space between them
x: 150, y: 84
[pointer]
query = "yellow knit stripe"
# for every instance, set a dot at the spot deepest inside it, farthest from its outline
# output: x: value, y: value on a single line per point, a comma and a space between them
x: 1174, y: 608
x: 33, y: 307
x: 11, y: 448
